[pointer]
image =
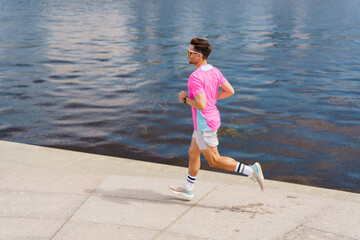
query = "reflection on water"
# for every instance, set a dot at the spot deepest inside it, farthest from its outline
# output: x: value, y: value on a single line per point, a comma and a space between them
x: 102, y: 77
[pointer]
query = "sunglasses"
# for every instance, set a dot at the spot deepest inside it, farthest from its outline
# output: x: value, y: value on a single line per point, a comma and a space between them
x: 191, y: 51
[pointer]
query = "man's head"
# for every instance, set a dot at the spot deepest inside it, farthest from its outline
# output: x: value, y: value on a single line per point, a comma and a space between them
x: 199, y: 49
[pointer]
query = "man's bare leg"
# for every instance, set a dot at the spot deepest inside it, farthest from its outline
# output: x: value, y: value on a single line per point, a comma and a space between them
x: 229, y: 164
x: 215, y: 160
x: 193, y: 170
x: 194, y: 158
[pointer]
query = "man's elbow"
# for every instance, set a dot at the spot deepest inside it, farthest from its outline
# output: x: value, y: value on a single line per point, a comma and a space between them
x: 201, y: 105
x: 232, y: 92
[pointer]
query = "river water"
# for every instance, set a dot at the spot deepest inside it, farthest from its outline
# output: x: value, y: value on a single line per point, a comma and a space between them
x: 102, y: 76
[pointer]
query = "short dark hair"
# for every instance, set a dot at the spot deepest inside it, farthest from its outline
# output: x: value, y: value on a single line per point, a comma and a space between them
x: 201, y: 45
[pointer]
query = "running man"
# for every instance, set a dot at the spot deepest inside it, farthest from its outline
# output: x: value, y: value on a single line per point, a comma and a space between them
x: 203, y: 87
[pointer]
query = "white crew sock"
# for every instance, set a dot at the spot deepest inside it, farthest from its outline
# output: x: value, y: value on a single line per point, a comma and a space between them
x: 243, y: 169
x: 190, y: 181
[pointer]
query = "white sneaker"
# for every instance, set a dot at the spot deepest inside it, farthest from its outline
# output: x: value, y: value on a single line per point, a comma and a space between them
x: 258, y: 175
x: 182, y: 191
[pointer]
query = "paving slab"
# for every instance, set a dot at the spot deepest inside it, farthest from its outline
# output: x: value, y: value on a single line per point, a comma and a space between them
x: 305, y: 233
x: 13, y: 166
x: 353, y: 197
x: 95, y: 231
x: 96, y: 165
x: 39, y: 205
x: 135, y: 201
x: 36, y: 156
x: 27, y: 228
x: 338, y: 218
x: 243, y: 212
x: 179, y: 236
x: 48, y: 181
x: 152, y: 189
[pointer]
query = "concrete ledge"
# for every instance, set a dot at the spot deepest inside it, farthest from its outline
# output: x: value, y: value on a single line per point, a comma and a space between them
x: 49, y: 193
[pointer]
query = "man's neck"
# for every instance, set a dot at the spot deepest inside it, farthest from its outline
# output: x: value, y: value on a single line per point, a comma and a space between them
x: 203, y: 62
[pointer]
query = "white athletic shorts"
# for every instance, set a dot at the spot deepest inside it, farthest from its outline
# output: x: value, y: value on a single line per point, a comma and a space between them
x: 206, y: 138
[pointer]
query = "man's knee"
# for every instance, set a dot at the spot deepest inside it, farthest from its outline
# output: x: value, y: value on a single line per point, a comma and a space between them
x: 193, y: 153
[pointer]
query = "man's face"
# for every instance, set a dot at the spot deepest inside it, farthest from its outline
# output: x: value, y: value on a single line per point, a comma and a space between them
x: 193, y: 56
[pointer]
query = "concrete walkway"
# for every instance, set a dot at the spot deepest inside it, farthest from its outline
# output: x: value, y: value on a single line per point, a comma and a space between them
x: 48, y: 193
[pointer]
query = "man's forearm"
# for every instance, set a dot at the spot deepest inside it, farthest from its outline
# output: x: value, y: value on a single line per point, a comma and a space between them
x: 194, y: 104
x: 224, y: 94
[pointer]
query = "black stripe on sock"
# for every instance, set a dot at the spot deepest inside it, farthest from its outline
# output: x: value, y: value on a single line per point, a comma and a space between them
x: 190, y: 181
x: 192, y: 178
x: 238, y: 168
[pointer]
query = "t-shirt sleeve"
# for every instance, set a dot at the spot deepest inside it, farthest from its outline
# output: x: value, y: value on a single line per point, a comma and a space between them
x: 196, y: 85
x: 222, y: 79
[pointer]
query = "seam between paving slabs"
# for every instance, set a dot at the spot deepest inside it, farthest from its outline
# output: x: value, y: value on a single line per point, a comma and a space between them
x: 77, y: 208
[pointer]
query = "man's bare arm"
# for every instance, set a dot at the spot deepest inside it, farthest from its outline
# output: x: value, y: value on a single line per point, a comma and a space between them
x: 226, y: 91
x: 199, y: 102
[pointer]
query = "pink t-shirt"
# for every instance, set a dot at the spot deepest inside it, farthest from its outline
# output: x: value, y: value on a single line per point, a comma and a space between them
x: 206, y: 79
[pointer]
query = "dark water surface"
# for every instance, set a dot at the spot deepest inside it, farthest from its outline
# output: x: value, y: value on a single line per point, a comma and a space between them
x: 102, y: 76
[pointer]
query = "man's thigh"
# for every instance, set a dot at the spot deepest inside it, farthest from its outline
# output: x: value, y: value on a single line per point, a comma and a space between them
x: 194, y: 148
